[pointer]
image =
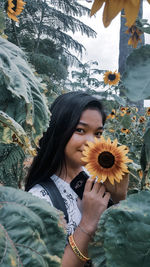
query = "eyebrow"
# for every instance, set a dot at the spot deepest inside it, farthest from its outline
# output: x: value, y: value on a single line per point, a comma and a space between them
x: 85, y: 124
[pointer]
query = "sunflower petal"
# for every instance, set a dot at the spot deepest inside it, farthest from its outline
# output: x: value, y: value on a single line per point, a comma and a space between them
x: 96, y: 6
x: 90, y: 144
x: 111, y: 9
x: 13, y: 17
x: 131, y: 11
x: 111, y: 179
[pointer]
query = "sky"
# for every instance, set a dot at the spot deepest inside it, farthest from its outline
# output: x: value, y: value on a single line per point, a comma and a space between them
x: 105, y: 47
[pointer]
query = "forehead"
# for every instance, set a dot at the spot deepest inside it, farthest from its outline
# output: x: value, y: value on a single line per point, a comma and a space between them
x: 91, y: 116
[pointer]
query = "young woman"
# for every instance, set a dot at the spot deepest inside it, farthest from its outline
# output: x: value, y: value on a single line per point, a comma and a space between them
x: 77, y: 117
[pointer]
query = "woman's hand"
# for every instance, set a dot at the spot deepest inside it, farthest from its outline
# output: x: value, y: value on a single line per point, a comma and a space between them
x: 94, y: 203
x: 118, y: 191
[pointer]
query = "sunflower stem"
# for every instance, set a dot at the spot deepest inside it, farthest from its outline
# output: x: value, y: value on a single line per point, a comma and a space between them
x: 134, y: 176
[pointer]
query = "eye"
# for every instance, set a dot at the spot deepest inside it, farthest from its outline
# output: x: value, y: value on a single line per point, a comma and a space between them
x: 79, y: 130
x: 98, y: 134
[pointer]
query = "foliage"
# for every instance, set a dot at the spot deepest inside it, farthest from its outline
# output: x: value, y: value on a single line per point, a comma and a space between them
x: 11, y: 165
x: 31, y: 231
x: 51, y: 20
x: 24, y: 113
x: 87, y: 77
x: 20, y: 90
x: 145, y: 158
x: 49, y: 66
x: 43, y: 32
x: 128, y: 126
x: 143, y: 25
x: 123, y: 234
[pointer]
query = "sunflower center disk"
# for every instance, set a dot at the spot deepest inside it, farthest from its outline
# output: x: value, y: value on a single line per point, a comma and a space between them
x: 111, y: 77
x: 106, y: 159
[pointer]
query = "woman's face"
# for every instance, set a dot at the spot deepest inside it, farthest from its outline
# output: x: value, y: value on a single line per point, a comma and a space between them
x: 90, y: 125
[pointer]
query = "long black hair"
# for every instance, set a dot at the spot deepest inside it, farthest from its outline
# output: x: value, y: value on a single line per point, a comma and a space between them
x: 66, y: 111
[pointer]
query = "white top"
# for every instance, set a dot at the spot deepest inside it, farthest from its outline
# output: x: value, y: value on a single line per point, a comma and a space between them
x: 70, y: 200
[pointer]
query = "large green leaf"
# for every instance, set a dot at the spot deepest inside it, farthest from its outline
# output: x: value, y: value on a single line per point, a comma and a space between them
x: 136, y: 78
x: 11, y: 165
x: 32, y: 233
x: 20, y: 91
x: 12, y: 132
x: 122, y: 238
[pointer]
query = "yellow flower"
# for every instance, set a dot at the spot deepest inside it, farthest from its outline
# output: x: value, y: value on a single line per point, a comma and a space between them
x: 123, y: 109
x: 140, y: 172
x: 113, y: 7
x: 105, y: 160
x: 134, y: 118
x: 14, y: 8
x: 142, y: 119
x: 124, y: 130
x: 148, y: 111
x: 112, y: 114
x: 135, y: 36
x: 122, y: 113
x: 111, y: 78
x: 128, y: 111
x: 111, y: 130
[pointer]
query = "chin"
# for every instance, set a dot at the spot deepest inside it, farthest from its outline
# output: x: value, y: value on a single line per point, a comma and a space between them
x: 83, y: 163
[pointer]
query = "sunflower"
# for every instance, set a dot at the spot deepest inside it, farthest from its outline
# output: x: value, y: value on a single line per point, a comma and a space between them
x: 135, y: 36
x: 113, y: 7
x: 124, y: 130
x: 105, y: 160
x: 122, y: 113
x: 140, y: 172
x: 142, y: 119
x: 112, y: 114
x: 148, y: 111
x: 123, y: 109
x: 111, y: 78
x: 134, y: 118
x: 14, y: 8
x: 111, y: 130
x: 128, y: 111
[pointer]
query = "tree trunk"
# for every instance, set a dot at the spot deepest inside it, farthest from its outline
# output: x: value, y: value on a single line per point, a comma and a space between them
x: 15, y: 33
x: 39, y: 30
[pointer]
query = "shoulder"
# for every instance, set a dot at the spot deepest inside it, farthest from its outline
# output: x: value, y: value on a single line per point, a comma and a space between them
x: 38, y: 191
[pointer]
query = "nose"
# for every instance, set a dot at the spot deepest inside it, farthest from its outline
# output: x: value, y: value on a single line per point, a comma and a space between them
x: 90, y: 138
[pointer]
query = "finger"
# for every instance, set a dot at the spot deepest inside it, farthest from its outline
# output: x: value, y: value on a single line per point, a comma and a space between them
x: 96, y: 187
x: 107, y: 196
x: 88, y: 185
x: 102, y: 190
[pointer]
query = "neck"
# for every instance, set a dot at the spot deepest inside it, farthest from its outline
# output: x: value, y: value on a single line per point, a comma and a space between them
x: 68, y: 174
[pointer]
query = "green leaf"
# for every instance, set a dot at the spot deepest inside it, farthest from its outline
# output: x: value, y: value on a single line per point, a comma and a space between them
x: 32, y: 232
x: 12, y: 132
x: 20, y: 91
x: 136, y: 78
x: 11, y: 165
x: 123, y: 234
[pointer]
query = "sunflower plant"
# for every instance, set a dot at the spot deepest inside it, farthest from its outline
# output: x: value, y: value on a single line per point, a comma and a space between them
x: 129, y: 126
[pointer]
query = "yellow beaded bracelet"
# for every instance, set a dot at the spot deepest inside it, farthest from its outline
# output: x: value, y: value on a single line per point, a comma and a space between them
x: 76, y: 250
